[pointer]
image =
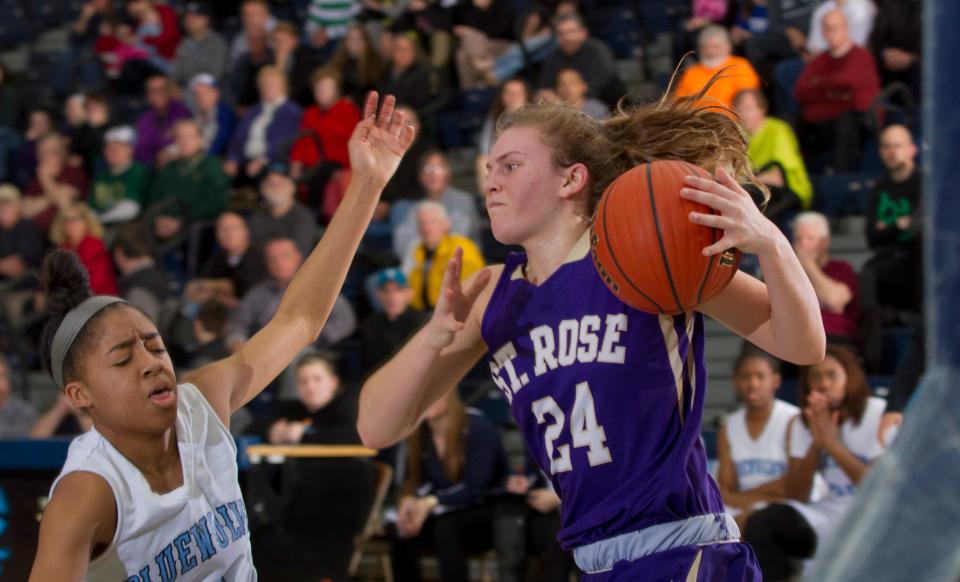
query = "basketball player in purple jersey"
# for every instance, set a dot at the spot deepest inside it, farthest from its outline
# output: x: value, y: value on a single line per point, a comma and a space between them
x: 609, y: 398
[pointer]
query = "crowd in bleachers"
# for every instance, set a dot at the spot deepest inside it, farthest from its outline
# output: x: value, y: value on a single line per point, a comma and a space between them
x: 191, y: 153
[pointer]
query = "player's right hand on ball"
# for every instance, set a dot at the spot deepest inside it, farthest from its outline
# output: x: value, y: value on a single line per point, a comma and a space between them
x: 454, y: 302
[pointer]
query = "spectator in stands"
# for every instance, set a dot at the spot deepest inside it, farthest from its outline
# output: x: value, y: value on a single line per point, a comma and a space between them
x: 192, y: 186
x: 572, y: 90
x: 577, y: 50
x: 215, y: 118
x: 324, y: 412
x: 203, y: 50
x: 858, y: 15
x: 56, y: 184
x: 296, y: 59
x: 432, y: 23
x: 157, y: 29
x: 324, y: 131
x: 39, y: 125
x: 835, y: 91
x: 893, y: 277
x: 209, y: 328
x: 283, y: 215
x: 405, y: 184
x: 839, y: 422
x: 702, y: 14
x: 461, y: 207
x: 752, y: 443
x: 257, y: 24
x: 77, y: 229
x: 715, y: 54
x: 74, y: 115
x: 526, y: 524
x: 141, y: 282
x: 283, y: 259
x: 384, y: 332
x: 16, y: 414
x: 834, y: 280
x: 330, y: 19
x: 125, y: 59
x: 155, y: 126
x: 784, y: 41
x: 87, y: 141
x: 358, y: 63
x: 62, y: 419
x: 10, y: 139
x: 80, y: 67
x: 266, y: 132
x: 484, y: 29
x: 407, y: 76
x: 896, y: 41
x: 21, y: 244
x: 120, y: 188
x: 426, y: 261
x: 454, y: 461
x: 233, y: 269
x: 775, y: 154
x: 514, y: 93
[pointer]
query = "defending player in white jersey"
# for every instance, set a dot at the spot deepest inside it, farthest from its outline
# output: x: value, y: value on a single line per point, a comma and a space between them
x: 151, y: 492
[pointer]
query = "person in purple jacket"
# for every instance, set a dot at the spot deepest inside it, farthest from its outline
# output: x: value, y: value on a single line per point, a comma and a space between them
x: 155, y: 125
x: 609, y: 398
x: 267, y: 131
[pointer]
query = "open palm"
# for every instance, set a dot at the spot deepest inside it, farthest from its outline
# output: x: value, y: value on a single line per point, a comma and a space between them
x: 379, y: 141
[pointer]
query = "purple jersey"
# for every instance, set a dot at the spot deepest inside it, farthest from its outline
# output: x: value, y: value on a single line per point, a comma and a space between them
x: 608, y: 398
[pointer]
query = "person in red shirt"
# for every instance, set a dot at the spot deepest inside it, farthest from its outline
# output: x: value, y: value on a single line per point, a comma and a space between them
x: 324, y: 131
x: 835, y: 92
x: 77, y: 229
x: 157, y: 28
x: 834, y: 281
x: 56, y: 184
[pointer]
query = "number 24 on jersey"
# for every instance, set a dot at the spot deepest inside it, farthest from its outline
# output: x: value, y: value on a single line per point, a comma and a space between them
x: 584, y: 430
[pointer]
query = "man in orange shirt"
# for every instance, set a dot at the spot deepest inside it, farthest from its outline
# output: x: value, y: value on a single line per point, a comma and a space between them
x: 715, y: 53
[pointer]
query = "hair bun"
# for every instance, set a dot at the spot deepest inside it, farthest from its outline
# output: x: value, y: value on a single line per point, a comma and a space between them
x: 65, y: 281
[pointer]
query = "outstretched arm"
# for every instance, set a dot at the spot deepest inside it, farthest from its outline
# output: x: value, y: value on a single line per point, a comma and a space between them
x: 377, y: 145
x: 782, y: 315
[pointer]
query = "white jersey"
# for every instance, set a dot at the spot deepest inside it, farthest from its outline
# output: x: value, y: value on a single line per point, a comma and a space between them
x: 861, y: 439
x: 765, y: 459
x: 195, y: 532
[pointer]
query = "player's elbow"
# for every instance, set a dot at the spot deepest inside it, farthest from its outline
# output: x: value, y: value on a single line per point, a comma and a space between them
x: 813, y: 350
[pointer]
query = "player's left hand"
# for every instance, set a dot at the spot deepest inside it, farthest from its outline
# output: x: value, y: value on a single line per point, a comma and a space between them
x: 543, y: 500
x: 742, y: 223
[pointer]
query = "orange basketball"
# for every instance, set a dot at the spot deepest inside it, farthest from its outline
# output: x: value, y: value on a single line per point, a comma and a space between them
x: 645, y: 247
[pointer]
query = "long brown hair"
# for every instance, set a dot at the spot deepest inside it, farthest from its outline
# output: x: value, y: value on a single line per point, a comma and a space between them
x: 857, y: 391
x: 454, y: 455
x: 369, y: 66
x: 667, y: 129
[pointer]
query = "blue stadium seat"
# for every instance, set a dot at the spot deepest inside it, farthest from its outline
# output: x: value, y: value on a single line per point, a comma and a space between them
x: 789, y: 390
x: 461, y: 120
x: 895, y: 342
x: 842, y: 194
x: 617, y: 26
x: 709, y: 436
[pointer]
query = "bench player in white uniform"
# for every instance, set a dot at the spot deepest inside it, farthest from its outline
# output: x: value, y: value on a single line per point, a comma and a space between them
x: 752, y: 445
x: 835, y: 436
x: 151, y: 491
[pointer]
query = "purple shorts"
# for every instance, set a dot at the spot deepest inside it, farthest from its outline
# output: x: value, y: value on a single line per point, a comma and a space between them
x: 731, y: 562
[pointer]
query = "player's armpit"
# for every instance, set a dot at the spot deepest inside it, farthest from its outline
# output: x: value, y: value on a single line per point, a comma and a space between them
x: 80, y: 518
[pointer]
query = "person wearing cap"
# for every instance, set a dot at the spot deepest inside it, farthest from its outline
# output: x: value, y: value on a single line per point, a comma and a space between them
x: 119, y: 188
x: 215, y: 118
x: 282, y: 214
x: 192, y: 186
x: 202, y: 50
x: 385, y: 331
x: 21, y: 244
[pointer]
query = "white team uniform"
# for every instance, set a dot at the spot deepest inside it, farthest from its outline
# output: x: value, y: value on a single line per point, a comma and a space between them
x: 824, y: 515
x: 195, y: 532
x: 765, y: 459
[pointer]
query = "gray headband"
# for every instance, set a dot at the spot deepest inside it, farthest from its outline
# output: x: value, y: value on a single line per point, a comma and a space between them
x: 70, y: 327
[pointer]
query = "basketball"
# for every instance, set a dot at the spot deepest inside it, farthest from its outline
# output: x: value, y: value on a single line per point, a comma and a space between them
x: 646, y: 249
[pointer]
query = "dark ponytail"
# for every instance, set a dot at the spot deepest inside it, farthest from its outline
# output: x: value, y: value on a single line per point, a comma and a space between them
x: 66, y: 285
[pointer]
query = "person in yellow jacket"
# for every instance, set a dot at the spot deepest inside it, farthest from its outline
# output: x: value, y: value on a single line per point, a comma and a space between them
x: 775, y: 155
x: 428, y: 260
